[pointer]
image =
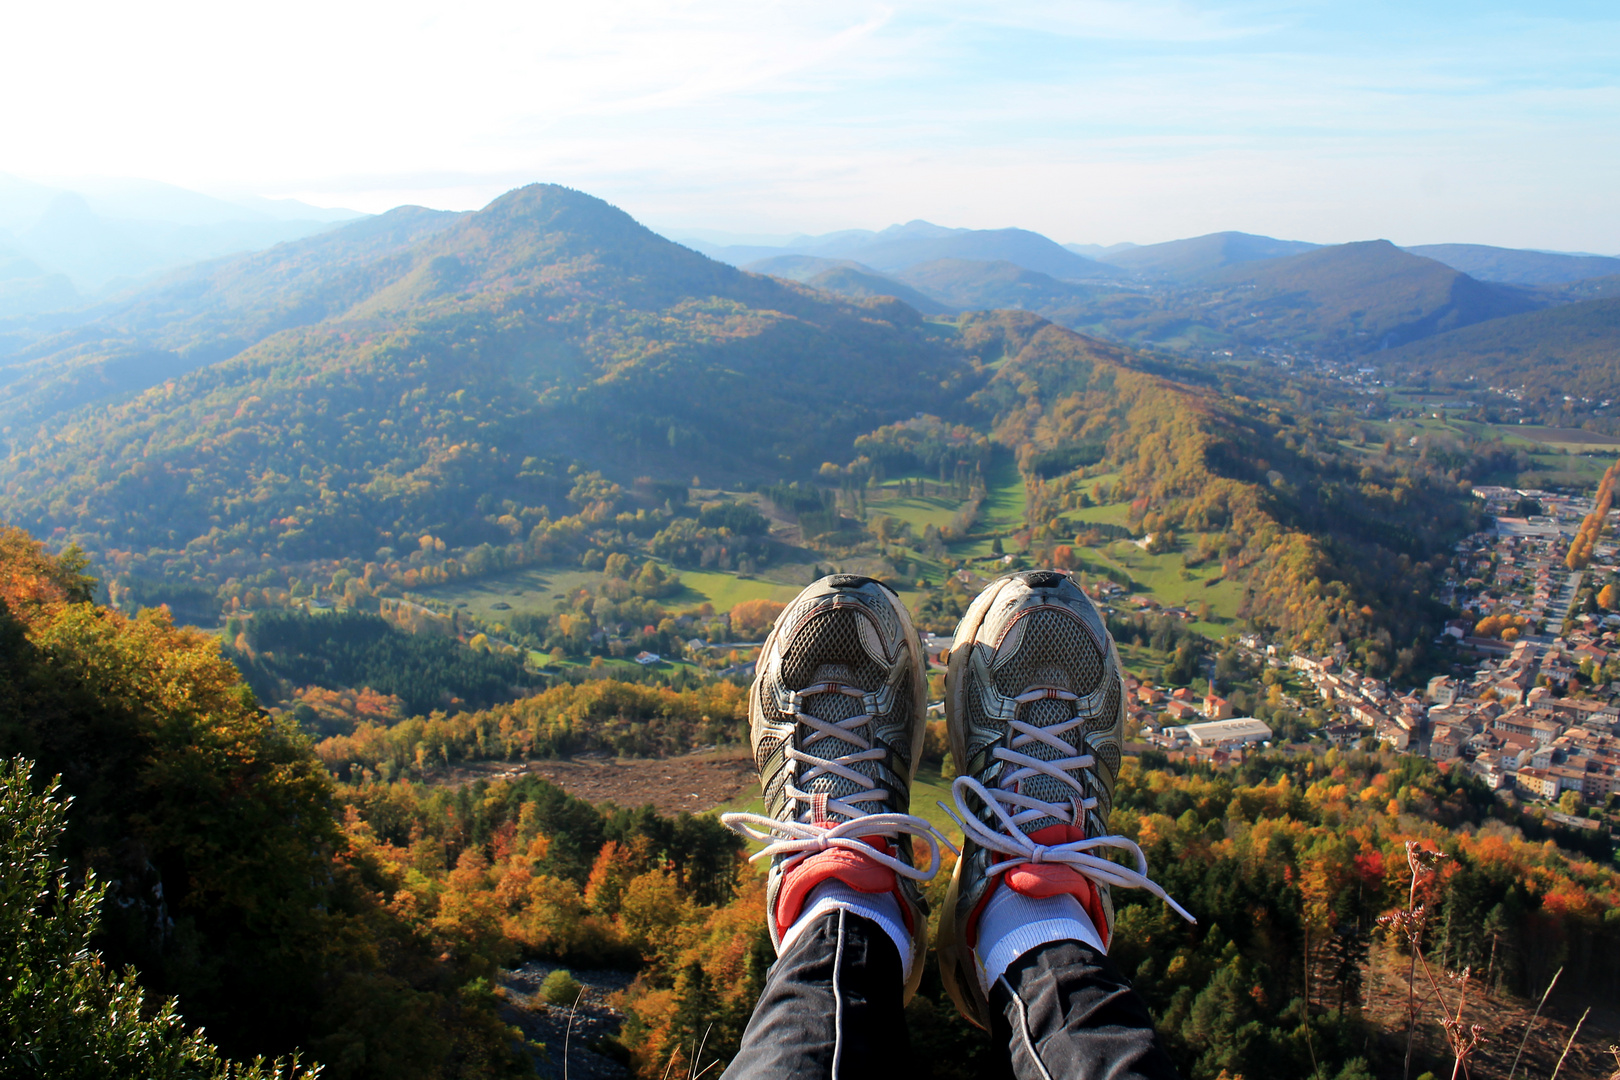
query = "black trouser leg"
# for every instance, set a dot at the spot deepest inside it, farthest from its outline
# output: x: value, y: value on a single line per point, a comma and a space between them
x: 1065, y: 1013
x: 831, y: 1009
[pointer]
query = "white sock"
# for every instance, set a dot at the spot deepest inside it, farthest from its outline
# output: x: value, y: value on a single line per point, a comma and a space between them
x: 881, y: 908
x: 1013, y: 924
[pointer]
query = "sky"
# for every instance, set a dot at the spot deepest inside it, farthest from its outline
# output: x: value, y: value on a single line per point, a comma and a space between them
x: 1092, y: 121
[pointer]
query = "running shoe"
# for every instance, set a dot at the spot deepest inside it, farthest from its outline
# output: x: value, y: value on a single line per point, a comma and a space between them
x: 836, y: 715
x: 1035, y: 712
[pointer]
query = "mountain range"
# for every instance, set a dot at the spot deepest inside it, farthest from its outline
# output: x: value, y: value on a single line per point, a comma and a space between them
x: 62, y: 247
x: 1237, y: 291
x: 1209, y: 293
x: 469, y: 378
x: 901, y: 246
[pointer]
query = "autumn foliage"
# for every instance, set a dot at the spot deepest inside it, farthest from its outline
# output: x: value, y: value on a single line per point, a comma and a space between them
x: 755, y: 617
x: 1580, y: 549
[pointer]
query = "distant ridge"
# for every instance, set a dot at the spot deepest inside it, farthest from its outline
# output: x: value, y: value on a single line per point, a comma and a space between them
x: 1030, y: 250
x: 972, y: 285
x: 1184, y: 260
x: 900, y: 246
x: 845, y: 277
x: 137, y: 341
x: 106, y: 234
x: 1099, y: 251
x: 1517, y: 267
x: 803, y: 267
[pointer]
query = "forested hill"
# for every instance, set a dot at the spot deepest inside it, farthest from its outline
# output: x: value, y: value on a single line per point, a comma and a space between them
x: 1328, y: 548
x: 548, y: 329
x: 1356, y: 298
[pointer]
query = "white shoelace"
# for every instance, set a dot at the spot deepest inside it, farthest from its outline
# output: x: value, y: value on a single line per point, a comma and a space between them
x: 801, y: 839
x: 1014, y: 809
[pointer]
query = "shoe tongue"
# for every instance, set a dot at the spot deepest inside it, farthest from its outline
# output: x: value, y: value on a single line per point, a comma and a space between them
x: 1051, y: 835
x: 833, y: 707
x: 1047, y: 713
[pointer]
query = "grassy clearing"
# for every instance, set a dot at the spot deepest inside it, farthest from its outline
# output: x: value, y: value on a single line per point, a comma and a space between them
x: 1572, y: 470
x: 1112, y: 514
x: 725, y: 591
x: 610, y: 667
x: 534, y: 590
x: 1006, y: 500
x: 1163, y: 578
x: 531, y: 590
x: 919, y: 511
x: 1574, y: 440
x: 1141, y: 661
x: 971, y: 549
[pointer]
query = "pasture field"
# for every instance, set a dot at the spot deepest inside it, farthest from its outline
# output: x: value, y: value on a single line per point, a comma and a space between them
x: 1112, y: 514
x: 1006, y: 500
x: 725, y: 590
x: 497, y: 597
x: 535, y: 590
x: 918, y: 511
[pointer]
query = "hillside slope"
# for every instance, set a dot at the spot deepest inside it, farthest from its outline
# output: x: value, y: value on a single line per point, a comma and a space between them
x: 1356, y: 298
x: 853, y: 284
x: 1570, y: 350
x: 204, y: 314
x: 1324, y: 555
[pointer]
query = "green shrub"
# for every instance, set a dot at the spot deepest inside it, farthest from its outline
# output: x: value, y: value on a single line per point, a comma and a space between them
x: 560, y: 987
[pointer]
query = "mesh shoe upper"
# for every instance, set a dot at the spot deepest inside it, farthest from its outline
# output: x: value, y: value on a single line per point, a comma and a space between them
x: 1035, y: 708
x: 839, y: 651
x: 836, y: 717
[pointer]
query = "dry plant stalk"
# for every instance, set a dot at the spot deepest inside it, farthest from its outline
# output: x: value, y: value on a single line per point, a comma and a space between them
x: 1570, y: 1042
x: 1533, y: 1018
x: 1411, y: 922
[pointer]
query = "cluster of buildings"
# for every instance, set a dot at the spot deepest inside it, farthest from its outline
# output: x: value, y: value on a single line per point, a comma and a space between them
x: 1360, y: 704
x: 1507, y: 727
x: 1513, y: 722
x: 1209, y: 730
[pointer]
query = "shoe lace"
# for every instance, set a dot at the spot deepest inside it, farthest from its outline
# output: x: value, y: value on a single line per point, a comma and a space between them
x: 1014, y: 809
x: 799, y: 839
